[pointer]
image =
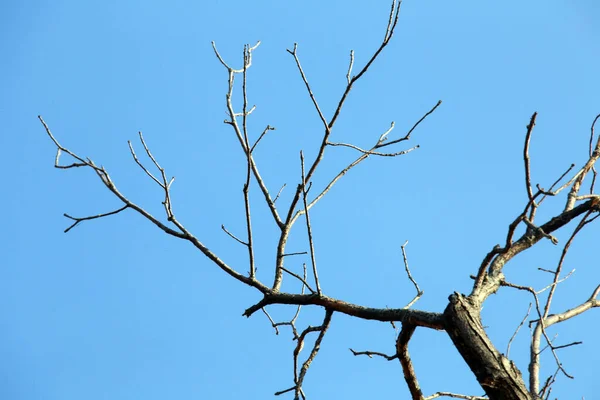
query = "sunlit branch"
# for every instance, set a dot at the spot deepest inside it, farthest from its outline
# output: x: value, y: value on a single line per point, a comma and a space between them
x: 410, y: 277
x: 246, y: 189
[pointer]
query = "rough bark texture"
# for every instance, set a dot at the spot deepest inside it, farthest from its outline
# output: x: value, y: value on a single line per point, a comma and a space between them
x: 496, y: 374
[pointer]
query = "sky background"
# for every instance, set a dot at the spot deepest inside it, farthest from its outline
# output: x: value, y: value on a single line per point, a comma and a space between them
x: 115, y: 309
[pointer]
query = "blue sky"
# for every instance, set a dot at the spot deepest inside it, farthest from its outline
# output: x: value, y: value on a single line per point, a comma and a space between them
x: 116, y: 309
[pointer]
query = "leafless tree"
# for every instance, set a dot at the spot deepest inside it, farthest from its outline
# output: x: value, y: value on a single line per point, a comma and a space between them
x: 461, y: 319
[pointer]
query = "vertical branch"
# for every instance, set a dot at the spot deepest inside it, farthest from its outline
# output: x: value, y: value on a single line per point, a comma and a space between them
x: 317, y: 346
x: 517, y: 331
x: 349, y: 74
x: 563, y: 255
x: 290, y: 219
x: 389, y: 32
x: 594, y: 173
x: 308, y: 227
x: 233, y: 122
x: 410, y: 277
x: 528, y: 166
x: 246, y: 190
x: 407, y: 367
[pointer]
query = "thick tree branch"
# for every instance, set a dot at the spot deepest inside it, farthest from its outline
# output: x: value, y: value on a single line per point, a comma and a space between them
x: 496, y: 374
x: 415, y: 317
x: 407, y: 367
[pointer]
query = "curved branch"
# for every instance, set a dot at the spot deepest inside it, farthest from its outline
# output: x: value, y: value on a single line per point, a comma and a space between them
x: 407, y: 367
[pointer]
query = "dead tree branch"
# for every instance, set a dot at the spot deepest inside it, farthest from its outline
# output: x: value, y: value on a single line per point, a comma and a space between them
x: 461, y: 318
x: 308, y: 228
x: 410, y: 277
x: 78, y: 220
x: 407, y: 367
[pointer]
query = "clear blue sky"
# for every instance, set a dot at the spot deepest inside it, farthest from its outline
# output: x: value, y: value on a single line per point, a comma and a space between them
x: 115, y: 309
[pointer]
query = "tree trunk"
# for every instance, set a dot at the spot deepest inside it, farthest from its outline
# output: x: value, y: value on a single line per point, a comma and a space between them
x: 496, y: 374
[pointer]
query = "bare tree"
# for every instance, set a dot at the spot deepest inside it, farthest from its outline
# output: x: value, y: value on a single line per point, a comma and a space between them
x: 461, y: 319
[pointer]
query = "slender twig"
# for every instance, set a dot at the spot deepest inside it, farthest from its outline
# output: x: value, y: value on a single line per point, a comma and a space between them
x: 454, y: 396
x: 78, y: 220
x: 343, y: 172
x: 308, y: 227
x: 410, y: 277
x: 246, y: 189
x: 407, y: 136
x: 584, y: 221
x: 563, y: 346
x: 294, y: 53
x: 279, y: 393
x: 299, y: 380
x: 299, y: 278
x: 554, y: 283
x: 348, y: 75
x: 165, y: 185
x: 384, y: 136
x: 273, y: 324
x: 237, y: 71
x: 517, y: 330
x: 578, y: 179
x: 279, y: 193
x: 60, y: 149
x: 370, y: 354
x: 292, y: 322
x: 550, y: 192
x: 594, y: 173
x: 231, y: 235
x: 547, y: 389
x: 299, y: 253
x: 374, y: 153
x: 526, y: 159
x: 137, y: 161
x: 264, y: 132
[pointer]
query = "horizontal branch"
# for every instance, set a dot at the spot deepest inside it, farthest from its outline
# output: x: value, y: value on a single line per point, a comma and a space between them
x: 414, y: 317
x: 575, y: 311
x: 78, y: 220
